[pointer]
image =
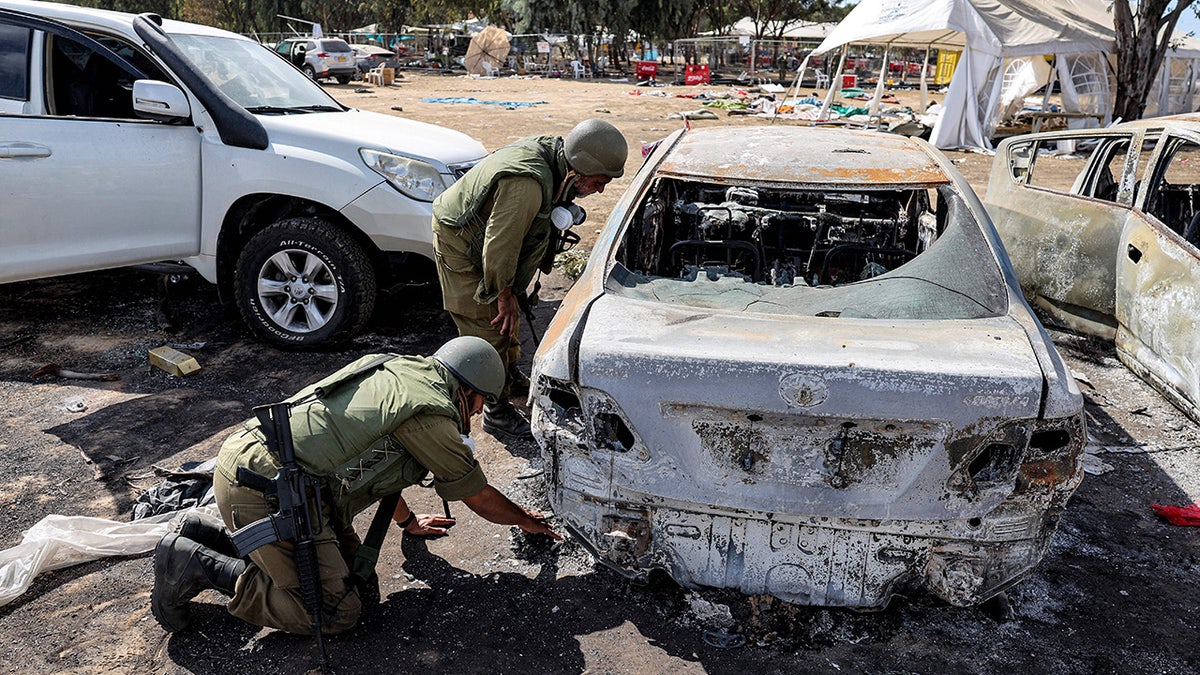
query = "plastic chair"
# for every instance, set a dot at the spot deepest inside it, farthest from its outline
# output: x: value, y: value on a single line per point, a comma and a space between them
x: 822, y: 80
x: 374, y: 76
x: 489, y: 70
x: 578, y: 69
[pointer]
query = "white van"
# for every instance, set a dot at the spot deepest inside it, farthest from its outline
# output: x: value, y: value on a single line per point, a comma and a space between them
x: 130, y: 139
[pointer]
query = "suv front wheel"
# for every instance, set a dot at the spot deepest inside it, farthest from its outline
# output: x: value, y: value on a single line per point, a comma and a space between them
x: 303, y: 282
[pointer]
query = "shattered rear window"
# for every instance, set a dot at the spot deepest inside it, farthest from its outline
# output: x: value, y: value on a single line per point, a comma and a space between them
x: 880, y: 253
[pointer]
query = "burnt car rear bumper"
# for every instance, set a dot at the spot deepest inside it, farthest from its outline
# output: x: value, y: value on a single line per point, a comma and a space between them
x: 806, y: 559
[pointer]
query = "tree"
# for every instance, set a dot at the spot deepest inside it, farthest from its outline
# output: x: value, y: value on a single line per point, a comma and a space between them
x: 1143, y: 36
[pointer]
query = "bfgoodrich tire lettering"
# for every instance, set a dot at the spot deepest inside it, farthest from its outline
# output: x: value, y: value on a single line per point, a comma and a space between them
x: 303, y: 282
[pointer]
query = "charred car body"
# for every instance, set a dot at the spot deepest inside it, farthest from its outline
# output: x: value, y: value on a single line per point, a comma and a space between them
x: 798, y: 364
x: 1103, y: 227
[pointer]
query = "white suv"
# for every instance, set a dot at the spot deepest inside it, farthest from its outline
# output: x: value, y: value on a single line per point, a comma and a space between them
x: 128, y: 139
x: 321, y: 57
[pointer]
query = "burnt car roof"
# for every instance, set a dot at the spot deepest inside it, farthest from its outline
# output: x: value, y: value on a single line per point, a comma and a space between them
x: 804, y: 155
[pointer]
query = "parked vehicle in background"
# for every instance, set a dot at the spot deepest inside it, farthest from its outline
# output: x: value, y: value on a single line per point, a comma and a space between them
x: 127, y: 140
x: 798, y: 363
x: 368, y: 57
x: 1103, y: 227
x: 320, y: 58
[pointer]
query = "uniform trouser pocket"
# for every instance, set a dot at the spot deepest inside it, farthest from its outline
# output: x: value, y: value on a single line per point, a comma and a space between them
x: 268, y: 592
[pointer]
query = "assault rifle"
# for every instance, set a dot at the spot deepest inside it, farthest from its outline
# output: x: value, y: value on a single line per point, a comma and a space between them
x: 297, y: 515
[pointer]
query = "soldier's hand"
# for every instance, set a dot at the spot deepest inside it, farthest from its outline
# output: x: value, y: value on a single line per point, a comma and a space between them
x: 507, y: 312
x: 536, y: 523
x: 429, y: 525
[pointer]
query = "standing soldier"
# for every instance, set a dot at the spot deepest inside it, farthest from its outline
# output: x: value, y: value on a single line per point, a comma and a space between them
x: 494, y: 231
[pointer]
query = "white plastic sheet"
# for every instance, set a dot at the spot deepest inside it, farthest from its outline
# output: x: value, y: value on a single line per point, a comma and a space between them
x: 58, y: 541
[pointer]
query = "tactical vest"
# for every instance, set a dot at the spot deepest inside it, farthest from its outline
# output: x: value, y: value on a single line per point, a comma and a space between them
x: 345, y: 437
x: 537, y: 157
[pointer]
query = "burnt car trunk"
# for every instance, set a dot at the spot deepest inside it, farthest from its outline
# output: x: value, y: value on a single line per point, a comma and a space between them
x: 829, y: 392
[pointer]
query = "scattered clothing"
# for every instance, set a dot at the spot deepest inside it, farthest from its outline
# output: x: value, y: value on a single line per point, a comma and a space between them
x: 693, y: 115
x: 1188, y: 516
x: 505, y: 104
x: 188, y: 487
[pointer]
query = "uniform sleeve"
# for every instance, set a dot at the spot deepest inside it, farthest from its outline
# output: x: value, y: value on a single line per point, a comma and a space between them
x: 434, y: 441
x: 515, y: 203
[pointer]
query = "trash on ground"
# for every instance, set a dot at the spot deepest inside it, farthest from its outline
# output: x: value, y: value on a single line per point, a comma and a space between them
x: 75, y: 404
x: 58, y: 541
x: 173, y: 361
x: 693, y: 115
x: 1095, y: 466
x: 475, y: 101
x: 58, y: 371
x: 1188, y: 516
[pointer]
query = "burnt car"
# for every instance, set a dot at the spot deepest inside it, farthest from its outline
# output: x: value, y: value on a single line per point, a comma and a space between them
x: 798, y: 363
x: 1103, y: 227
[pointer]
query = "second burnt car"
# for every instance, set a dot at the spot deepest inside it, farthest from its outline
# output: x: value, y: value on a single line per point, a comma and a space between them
x: 1103, y: 227
x: 799, y: 364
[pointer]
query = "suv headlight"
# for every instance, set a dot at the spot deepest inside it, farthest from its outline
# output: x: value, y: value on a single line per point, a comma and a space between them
x: 417, y: 179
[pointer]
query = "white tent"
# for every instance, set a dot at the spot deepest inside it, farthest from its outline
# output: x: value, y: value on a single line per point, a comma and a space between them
x: 1177, y: 88
x: 988, y: 32
x: 792, y: 30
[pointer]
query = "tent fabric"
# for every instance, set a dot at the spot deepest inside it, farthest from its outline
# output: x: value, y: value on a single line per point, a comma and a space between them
x: 794, y: 30
x: 1009, y: 28
x: 987, y: 32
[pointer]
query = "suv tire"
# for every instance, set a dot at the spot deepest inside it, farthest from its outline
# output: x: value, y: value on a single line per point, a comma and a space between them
x: 343, y: 79
x: 308, y: 70
x: 303, y: 282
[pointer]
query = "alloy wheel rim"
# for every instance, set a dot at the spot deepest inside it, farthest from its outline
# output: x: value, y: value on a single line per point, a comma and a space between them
x: 297, y: 291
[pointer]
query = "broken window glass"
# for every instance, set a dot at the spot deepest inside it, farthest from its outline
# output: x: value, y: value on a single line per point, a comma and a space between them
x: 1175, y: 201
x: 887, y: 253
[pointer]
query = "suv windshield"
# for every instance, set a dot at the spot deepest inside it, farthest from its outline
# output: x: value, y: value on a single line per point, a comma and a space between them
x: 254, y: 76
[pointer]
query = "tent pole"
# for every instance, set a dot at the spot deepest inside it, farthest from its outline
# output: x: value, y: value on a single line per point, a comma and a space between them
x: 834, y: 84
x: 873, y: 106
x: 924, y: 86
x: 794, y: 90
x: 1049, y: 86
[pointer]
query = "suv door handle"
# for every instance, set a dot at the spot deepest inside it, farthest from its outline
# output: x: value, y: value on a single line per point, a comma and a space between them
x: 1134, y: 253
x: 23, y: 150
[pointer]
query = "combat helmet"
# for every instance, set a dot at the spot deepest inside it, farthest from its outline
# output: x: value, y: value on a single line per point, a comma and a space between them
x: 596, y: 148
x: 475, y: 363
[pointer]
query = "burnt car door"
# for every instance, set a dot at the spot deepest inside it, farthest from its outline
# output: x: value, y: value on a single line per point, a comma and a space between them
x: 1060, y: 202
x: 86, y: 182
x: 1158, y: 273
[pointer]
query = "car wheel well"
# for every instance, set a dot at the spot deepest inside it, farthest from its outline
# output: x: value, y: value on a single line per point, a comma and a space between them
x: 252, y: 213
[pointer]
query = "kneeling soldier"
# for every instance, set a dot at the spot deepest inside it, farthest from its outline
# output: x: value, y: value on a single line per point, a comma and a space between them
x: 366, y: 432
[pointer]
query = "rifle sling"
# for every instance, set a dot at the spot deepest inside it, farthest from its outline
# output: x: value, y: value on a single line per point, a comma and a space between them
x: 368, y: 552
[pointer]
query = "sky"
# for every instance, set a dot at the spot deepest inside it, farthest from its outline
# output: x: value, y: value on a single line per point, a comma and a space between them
x: 1189, y: 23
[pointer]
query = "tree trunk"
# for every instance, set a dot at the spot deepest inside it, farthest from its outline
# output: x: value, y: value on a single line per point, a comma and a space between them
x: 1140, y: 51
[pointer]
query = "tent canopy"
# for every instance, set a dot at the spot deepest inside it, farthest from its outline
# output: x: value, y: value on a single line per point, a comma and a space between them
x: 989, y: 32
x: 1010, y: 28
x: 792, y: 30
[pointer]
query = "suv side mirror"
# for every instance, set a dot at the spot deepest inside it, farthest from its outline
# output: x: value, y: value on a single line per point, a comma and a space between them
x: 160, y: 101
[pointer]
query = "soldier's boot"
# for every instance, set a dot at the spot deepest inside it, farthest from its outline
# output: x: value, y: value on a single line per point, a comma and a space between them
x: 503, y: 421
x: 183, y: 568
x: 207, y: 530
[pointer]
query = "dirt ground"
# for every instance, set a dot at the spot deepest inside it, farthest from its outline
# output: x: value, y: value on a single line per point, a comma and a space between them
x: 1116, y: 593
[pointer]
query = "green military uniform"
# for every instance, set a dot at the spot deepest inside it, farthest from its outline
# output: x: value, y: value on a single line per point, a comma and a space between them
x: 393, y: 428
x: 492, y: 230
